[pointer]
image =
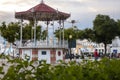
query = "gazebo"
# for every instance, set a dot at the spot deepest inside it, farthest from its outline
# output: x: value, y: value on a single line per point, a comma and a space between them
x: 50, y: 53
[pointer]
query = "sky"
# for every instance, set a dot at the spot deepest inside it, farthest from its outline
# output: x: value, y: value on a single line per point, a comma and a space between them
x: 82, y: 11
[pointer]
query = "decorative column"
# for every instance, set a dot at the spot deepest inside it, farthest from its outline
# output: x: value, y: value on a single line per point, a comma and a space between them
x: 21, y: 32
x: 47, y: 33
x: 35, y: 24
x: 53, y: 32
x: 63, y: 35
x: 60, y: 31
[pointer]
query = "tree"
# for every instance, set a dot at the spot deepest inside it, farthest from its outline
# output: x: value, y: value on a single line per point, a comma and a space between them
x: 105, y: 29
x: 43, y: 34
x: 11, y: 32
x: 118, y: 24
x: 69, y: 31
x: 87, y: 33
x: 28, y: 32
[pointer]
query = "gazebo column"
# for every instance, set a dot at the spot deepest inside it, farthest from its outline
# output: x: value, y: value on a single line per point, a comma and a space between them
x: 63, y: 34
x: 21, y: 32
x: 47, y: 33
x: 53, y: 32
x: 60, y: 33
x: 35, y: 24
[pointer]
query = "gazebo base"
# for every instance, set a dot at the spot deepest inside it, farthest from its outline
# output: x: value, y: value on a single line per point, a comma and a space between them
x: 51, y: 55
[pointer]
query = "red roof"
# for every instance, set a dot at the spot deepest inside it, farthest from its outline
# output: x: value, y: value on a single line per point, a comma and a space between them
x: 42, y: 12
x: 42, y: 8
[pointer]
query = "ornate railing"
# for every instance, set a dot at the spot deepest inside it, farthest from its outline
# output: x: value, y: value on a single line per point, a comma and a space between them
x: 44, y: 44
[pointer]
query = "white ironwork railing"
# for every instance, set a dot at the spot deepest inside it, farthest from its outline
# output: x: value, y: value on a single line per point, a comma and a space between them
x: 44, y: 44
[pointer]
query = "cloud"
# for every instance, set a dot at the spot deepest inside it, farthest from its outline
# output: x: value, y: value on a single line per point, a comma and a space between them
x: 6, y: 16
x: 16, y: 5
x: 82, y: 10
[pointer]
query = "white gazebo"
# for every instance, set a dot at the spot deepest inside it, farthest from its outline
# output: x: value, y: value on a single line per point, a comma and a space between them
x: 43, y: 50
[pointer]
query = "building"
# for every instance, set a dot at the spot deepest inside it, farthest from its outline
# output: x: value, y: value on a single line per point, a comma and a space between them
x: 86, y: 46
x: 115, y: 46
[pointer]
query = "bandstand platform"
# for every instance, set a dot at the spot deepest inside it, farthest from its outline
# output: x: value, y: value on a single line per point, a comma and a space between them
x: 42, y: 51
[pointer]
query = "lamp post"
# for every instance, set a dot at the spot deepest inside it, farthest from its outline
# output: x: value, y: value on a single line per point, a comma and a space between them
x: 70, y: 37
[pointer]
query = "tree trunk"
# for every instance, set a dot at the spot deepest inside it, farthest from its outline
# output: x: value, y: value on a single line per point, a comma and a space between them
x: 105, y: 47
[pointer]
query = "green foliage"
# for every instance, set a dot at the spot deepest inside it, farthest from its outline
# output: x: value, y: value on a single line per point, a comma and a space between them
x: 44, y: 34
x: 11, y: 32
x: 74, y: 31
x: 87, y: 34
x: 118, y: 24
x: 105, y: 29
x: 105, y: 69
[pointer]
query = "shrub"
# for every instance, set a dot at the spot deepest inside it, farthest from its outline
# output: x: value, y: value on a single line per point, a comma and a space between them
x: 18, y: 69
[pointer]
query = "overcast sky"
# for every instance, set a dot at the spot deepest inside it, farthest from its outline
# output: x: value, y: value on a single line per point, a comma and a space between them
x: 83, y: 11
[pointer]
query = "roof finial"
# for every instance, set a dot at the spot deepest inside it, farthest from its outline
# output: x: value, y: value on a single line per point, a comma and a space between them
x: 42, y: 1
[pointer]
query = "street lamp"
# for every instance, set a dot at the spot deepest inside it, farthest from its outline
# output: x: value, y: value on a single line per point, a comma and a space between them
x: 70, y: 36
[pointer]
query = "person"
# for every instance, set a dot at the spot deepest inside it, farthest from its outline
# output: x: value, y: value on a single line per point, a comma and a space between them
x: 96, y: 54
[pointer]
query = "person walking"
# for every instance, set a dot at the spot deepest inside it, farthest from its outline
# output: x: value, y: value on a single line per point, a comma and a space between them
x: 96, y: 54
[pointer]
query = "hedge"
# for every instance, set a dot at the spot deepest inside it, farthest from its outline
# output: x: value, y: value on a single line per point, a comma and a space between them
x: 18, y: 69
